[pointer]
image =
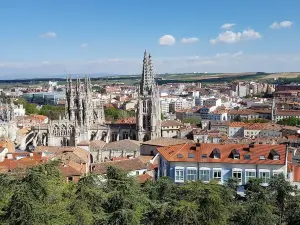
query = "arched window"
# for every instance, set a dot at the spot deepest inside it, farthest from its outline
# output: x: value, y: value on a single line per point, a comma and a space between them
x: 104, y: 134
x: 125, y: 135
x: 114, y: 136
x: 56, y: 131
x: 63, y: 130
x: 70, y: 130
x: 149, y: 106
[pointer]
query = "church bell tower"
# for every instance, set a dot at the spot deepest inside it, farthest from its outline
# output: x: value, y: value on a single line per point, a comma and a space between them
x: 148, y: 120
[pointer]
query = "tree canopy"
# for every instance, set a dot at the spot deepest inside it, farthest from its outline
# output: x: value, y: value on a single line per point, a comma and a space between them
x: 291, y: 121
x: 42, y: 196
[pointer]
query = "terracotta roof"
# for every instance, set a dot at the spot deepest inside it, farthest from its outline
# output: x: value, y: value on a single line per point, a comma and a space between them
x: 164, y: 141
x: 76, y: 153
x: 171, y: 153
x: 125, y: 144
x: 263, y: 126
x: 72, y: 169
x: 288, y: 113
x: 171, y: 123
x: 126, y: 165
x: 144, y: 178
x: 129, y: 120
x: 84, y: 143
x: 97, y: 144
x: 237, y: 124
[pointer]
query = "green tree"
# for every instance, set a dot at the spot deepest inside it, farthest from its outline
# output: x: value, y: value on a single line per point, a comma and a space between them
x: 41, y: 198
x: 52, y: 112
x: 291, y: 121
x: 281, y: 190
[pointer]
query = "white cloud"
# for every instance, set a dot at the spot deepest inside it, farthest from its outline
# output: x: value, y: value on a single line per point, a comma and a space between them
x: 283, y: 24
x: 167, y: 40
x: 230, y: 37
x: 84, y: 45
x: 49, y: 35
x: 189, y: 40
x: 227, y: 26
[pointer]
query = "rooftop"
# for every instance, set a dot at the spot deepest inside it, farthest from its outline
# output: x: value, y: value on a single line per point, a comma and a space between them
x: 163, y: 141
x: 255, y: 153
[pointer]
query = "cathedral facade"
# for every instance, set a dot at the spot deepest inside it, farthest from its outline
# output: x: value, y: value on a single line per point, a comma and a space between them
x: 84, y: 118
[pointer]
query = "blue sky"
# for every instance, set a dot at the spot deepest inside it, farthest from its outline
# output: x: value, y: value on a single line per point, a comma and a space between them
x: 50, y: 37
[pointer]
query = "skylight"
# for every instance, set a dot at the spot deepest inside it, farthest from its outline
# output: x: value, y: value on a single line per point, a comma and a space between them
x: 247, y: 157
x: 179, y: 155
x: 262, y: 157
x: 191, y: 155
x: 204, y: 156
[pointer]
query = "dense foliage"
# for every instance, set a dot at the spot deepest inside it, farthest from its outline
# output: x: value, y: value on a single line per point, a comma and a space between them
x: 52, y: 111
x: 111, y: 113
x: 42, y: 197
x: 291, y: 121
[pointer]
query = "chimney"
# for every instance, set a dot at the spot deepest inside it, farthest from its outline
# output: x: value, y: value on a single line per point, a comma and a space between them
x: 198, y: 145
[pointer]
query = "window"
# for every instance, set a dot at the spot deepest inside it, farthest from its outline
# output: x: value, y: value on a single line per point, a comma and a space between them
x: 237, y: 173
x: 217, y: 174
x: 276, y: 172
x: 249, y: 174
x: 125, y: 135
x: 191, y: 173
x: 191, y: 155
x: 247, y: 157
x: 179, y: 174
x: 204, y: 156
x: 262, y: 157
x: 217, y: 153
x: 265, y: 176
x: 137, y: 173
x: 179, y: 155
x: 204, y: 174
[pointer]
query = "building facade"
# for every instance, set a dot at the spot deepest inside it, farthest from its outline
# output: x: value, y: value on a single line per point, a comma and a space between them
x: 148, y: 121
x: 206, y: 162
x: 84, y: 118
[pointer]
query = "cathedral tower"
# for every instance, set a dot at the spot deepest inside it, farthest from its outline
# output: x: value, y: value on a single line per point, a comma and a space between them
x: 148, y: 119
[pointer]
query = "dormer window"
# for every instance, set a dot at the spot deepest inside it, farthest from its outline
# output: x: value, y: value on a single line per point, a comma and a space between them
x: 275, y: 155
x: 235, y: 154
x: 216, y: 153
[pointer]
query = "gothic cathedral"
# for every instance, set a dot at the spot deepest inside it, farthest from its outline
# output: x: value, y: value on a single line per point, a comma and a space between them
x: 148, y: 122
x: 84, y: 118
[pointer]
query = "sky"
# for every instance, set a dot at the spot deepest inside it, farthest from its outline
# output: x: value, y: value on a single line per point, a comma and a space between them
x: 55, y: 37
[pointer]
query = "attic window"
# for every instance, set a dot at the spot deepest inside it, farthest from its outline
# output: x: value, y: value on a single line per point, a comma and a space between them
x: 235, y: 154
x: 179, y: 155
x: 262, y: 157
x: 275, y: 155
x: 191, y: 155
x: 247, y: 157
x: 216, y: 153
x: 204, y: 156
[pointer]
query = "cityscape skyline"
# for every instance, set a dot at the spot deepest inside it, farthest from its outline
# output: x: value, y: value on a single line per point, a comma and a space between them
x: 56, y: 38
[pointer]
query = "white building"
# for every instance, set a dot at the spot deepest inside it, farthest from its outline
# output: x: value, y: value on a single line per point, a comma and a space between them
x: 206, y: 162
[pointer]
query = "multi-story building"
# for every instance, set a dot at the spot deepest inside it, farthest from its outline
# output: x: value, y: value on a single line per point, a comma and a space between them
x: 170, y: 128
x: 206, y: 162
x: 236, y: 129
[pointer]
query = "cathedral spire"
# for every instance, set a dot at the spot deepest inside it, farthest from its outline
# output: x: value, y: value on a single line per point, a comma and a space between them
x: 147, y: 83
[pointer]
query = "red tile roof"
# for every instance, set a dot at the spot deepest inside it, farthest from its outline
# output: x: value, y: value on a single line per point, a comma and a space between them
x: 126, y: 165
x: 144, y: 178
x: 170, y: 153
x: 130, y: 120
